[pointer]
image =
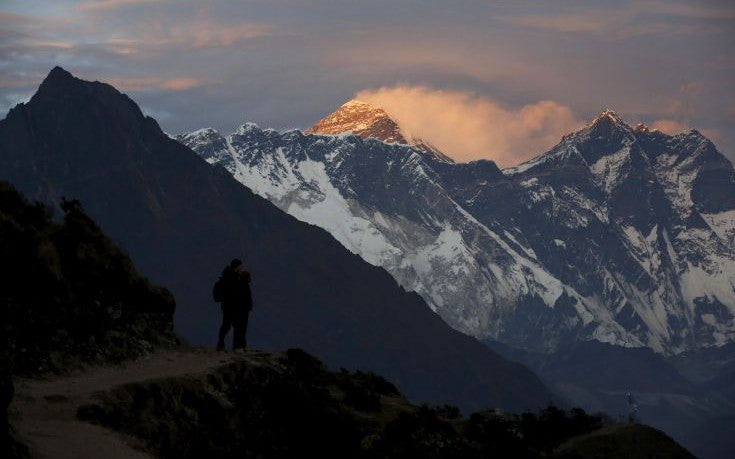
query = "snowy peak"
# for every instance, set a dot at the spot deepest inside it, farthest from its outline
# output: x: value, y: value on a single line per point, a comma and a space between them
x: 207, y: 141
x: 606, y: 137
x: 361, y: 119
x: 608, y: 125
x: 368, y: 121
x: 608, y: 116
x: 204, y: 133
x: 643, y: 128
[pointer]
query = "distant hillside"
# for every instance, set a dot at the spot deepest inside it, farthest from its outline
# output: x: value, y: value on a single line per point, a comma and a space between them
x: 697, y: 413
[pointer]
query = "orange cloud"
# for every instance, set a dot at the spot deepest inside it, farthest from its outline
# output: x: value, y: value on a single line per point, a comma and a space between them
x: 469, y: 127
x: 670, y: 127
x: 713, y: 134
x: 149, y: 83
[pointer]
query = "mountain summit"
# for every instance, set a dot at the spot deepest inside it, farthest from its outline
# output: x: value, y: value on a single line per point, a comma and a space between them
x: 361, y: 119
x: 368, y: 121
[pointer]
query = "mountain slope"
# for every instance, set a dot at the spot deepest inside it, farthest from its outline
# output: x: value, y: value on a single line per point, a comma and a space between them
x: 182, y: 220
x: 617, y: 234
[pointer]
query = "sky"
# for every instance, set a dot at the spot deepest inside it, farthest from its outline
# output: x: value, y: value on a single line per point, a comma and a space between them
x: 502, y: 80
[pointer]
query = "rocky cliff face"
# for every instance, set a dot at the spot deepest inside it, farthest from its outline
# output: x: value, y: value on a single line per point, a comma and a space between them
x: 619, y: 234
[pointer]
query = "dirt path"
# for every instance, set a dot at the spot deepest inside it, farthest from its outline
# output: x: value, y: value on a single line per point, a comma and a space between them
x: 44, y: 412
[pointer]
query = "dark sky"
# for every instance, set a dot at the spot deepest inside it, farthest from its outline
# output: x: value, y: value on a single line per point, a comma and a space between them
x: 509, y: 77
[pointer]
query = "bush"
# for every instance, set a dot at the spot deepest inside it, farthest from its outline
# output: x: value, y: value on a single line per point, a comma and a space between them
x: 70, y: 295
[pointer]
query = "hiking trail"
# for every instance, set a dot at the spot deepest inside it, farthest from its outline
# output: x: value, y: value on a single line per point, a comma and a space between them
x: 44, y: 411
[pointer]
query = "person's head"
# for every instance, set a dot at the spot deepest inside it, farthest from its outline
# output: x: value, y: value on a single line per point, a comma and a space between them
x: 236, y: 264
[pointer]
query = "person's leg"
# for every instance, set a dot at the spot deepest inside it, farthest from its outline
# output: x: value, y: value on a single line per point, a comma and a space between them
x: 224, y: 329
x: 244, y: 330
x: 239, y: 329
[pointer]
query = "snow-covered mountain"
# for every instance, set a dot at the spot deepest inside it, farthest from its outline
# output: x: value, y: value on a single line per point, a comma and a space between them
x: 617, y: 234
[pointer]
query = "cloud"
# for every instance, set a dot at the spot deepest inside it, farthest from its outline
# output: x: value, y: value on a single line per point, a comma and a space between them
x: 95, y: 27
x: 16, y: 80
x: 618, y: 26
x: 670, y: 127
x: 637, y: 19
x: 111, y: 4
x: 155, y: 83
x: 564, y: 23
x: 199, y: 34
x: 714, y: 135
x: 690, y: 11
x: 158, y: 37
x: 468, y: 127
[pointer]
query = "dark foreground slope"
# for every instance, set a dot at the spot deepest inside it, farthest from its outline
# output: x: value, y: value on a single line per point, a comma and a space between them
x: 289, y: 405
x: 181, y: 220
x: 69, y: 298
x: 631, y: 441
x: 187, y: 403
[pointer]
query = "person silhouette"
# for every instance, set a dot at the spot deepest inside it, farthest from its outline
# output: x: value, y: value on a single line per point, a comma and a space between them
x: 232, y: 291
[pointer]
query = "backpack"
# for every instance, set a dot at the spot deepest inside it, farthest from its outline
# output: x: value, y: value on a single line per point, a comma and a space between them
x: 218, y: 291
